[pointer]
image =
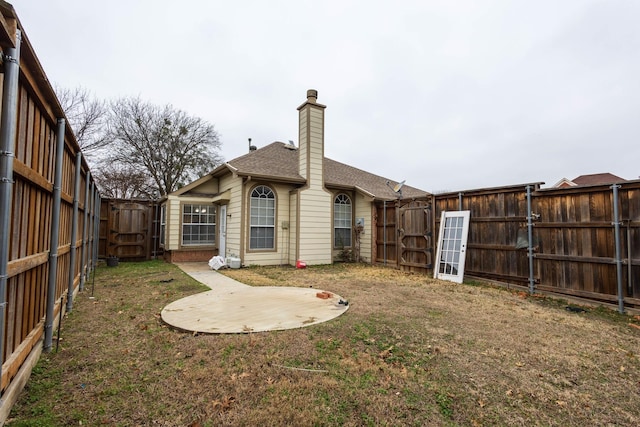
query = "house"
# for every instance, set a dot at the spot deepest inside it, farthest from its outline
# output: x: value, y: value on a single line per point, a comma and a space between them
x: 593, y: 179
x: 279, y: 204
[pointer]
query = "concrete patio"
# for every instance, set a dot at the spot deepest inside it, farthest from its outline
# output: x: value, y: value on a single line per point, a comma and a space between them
x: 233, y: 307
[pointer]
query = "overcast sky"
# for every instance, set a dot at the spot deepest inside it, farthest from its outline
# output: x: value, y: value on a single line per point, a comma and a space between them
x: 449, y: 95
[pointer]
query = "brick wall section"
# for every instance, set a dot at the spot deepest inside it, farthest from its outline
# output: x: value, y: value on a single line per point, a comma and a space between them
x: 190, y: 255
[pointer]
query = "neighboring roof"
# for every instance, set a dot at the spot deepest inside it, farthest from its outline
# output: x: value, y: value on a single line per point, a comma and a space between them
x: 598, y: 179
x: 564, y: 182
x: 278, y: 161
x: 593, y: 179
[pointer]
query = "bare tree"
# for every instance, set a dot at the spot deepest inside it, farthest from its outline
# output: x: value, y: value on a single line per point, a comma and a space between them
x: 87, y: 116
x: 172, y: 147
x: 123, y: 182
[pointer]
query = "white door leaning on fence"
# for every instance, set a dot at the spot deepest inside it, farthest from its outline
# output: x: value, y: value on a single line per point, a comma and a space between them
x: 452, y: 246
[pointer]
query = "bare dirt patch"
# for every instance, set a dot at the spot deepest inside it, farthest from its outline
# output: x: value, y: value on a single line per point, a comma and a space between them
x: 410, y: 351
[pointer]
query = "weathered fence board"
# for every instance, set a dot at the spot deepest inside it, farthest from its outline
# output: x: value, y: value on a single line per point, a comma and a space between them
x: 127, y: 229
x: 29, y: 194
x: 574, y: 250
x: 386, y: 234
x: 573, y: 237
x: 415, y: 236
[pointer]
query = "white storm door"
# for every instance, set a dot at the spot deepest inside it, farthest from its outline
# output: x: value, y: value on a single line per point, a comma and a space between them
x: 452, y: 246
x: 222, y: 241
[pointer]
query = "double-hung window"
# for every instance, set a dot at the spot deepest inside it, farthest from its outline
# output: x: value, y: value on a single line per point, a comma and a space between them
x: 198, y: 225
x: 342, y: 221
x: 263, y: 218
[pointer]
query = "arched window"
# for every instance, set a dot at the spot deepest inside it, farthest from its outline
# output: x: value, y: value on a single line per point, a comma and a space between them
x: 342, y: 221
x: 263, y: 218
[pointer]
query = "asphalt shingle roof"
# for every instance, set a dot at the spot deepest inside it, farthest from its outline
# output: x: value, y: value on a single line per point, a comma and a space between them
x: 597, y: 179
x: 278, y: 161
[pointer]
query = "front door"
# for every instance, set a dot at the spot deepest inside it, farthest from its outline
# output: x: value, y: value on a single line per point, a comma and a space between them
x: 222, y: 241
x: 452, y: 246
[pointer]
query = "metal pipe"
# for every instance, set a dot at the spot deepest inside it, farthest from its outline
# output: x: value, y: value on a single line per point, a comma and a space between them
x: 90, y: 236
x: 74, y: 233
x: 384, y: 232
x: 530, y: 239
x: 96, y: 235
x: 460, y: 201
x: 616, y: 231
x: 629, y: 279
x: 8, y: 126
x: 156, y: 232
x: 85, y: 231
x: 55, y: 232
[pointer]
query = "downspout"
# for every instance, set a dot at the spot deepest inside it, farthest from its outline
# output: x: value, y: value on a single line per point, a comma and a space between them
x: 530, y: 239
x: 55, y: 232
x: 616, y: 227
x: 8, y: 125
x: 85, y: 233
x: 460, y: 201
x: 74, y: 233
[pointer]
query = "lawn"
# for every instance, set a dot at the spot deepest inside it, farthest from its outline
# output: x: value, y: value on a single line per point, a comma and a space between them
x: 410, y: 351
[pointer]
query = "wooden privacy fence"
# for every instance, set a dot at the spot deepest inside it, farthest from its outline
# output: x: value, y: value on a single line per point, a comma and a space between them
x: 585, y: 240
x: 48, y: 211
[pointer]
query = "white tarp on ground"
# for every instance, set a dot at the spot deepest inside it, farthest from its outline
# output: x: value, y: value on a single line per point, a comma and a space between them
x: 216, y: 263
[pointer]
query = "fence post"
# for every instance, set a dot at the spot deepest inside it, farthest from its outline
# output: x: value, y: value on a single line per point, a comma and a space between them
x: 85, y: 232
x: 530, y: 238
x: 616, y: 231
x: 8, y: 125
x: 384, y: 233
x: 55, y: 232
x: 92, y: 224
x: 74, y: 233
x: 96, y: 230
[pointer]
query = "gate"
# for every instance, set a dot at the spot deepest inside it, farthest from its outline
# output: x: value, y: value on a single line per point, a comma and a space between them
x: 404, y: 234
x: 129, y: 226
x: 415, y: 235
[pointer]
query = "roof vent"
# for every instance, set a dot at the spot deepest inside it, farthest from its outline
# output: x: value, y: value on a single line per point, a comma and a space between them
x: 291, y: 145
x: 252, y: 147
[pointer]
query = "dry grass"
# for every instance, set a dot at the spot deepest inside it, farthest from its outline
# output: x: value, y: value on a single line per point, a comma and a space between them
x: 410, y: 351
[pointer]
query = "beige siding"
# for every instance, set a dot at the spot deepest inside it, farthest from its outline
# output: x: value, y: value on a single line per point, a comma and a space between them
x: 173, y: 223
x: 209, y: 187
x: 315, y: 226
x: 302, y: 142
x: 363, y: 210
x: 316, y: 147
x: 293, y: 227
x: 234, y: 213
